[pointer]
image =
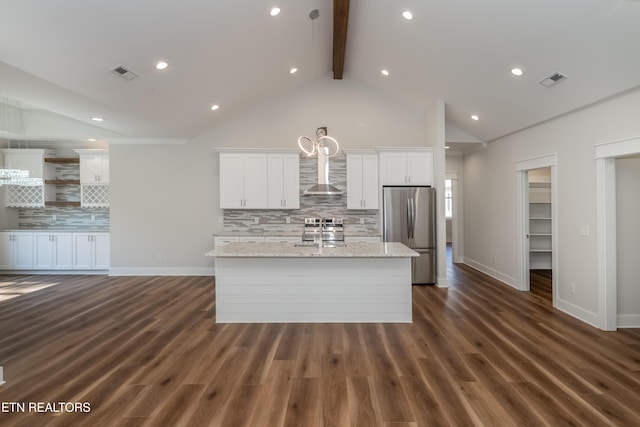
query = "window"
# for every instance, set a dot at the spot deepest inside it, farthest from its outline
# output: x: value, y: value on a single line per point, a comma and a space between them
x: 448, y: 198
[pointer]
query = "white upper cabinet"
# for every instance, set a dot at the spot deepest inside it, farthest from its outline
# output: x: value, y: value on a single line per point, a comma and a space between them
x: 243, y: 180
x: 31, y: 160
x: 410, y: 167
x: 284, y: 181
x: 362, y: 181
x: 94, y: 166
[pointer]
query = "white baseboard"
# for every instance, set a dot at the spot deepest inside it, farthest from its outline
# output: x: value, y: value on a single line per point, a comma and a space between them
x: 162, y: 271
x: 511, y: 281
x: 578, y: 312
x: 2, y: 381
x: 442, y: 282
x: 47, y: 272
x: 628, y: 320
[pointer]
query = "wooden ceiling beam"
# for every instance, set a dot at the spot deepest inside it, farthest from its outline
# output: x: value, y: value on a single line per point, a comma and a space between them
x: 340, y: 23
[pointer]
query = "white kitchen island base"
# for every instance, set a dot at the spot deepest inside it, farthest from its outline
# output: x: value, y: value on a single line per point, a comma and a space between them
x: 313, y: 288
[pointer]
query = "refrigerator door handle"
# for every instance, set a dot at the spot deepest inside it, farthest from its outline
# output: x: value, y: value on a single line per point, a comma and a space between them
x: 409, y: 219
x: 412, y: 218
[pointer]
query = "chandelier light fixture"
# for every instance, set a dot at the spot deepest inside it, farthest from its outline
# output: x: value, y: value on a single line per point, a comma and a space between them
x: 323, y: 145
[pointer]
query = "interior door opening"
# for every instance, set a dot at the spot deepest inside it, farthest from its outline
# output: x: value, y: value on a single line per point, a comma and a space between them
x: 540, y: 222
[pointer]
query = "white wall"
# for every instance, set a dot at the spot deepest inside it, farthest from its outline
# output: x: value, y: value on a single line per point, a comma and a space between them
x: 628, y: 240
x: 490, y: 196
x: 164, y: 198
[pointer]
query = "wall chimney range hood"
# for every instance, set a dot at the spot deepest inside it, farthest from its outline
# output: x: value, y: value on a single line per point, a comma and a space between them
x: 321, y: 148
x: 323, y: 187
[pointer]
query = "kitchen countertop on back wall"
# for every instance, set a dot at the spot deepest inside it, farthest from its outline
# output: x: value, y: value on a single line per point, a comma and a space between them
x: 62, y: 229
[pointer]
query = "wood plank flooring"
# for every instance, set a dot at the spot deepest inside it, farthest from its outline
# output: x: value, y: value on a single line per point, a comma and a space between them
x: 145, y: 351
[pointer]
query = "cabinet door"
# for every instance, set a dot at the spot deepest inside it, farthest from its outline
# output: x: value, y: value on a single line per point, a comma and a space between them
x: 220, y: 241
x: 420, y: 168
x: 393, y: 169
x: 291, y: 178
x: 370, y: 188
x: 355, y: 196
x: 82, y: 251
x: 275, y: 191
x: 62, y: 244
x: 231, y: 181
x: 104, y: 169
x: 254, y: 168
x: 6, y: 250
x: 102, y: 248
x: 23, y: 251
x: 90, y: 169
x: 43, y: 253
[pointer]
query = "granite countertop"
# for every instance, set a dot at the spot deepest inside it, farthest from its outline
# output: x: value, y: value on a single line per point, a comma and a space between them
x: 59, y: 230
x: 290, y: 250
x: 297, y: 233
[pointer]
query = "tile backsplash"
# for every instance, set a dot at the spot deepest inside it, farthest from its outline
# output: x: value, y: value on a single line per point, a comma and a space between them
x: 63, y: 218
x: 274, y: 221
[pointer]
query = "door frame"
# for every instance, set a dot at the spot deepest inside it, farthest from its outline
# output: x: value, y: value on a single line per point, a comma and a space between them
x: 605, y: 157
x: 456, y: 216
x: 522, y: 219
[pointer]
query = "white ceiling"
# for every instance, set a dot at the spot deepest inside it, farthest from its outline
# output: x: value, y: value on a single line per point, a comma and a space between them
x: 56, y: 55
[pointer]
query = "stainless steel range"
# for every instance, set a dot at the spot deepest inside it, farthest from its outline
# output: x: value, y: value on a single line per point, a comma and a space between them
x: 329, y: 231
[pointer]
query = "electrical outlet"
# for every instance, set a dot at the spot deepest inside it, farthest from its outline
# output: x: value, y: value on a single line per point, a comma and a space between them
x: 287, y: 220
x: 584, y: 230
x: 54, y: 217
x: 93, y: 217
x: 495, y: 259
x: 361, y: 220
x: 573, y: 288
x: 256, y: 220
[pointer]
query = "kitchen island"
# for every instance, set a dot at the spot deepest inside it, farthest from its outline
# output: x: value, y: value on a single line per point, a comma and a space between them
x: 285, y: 282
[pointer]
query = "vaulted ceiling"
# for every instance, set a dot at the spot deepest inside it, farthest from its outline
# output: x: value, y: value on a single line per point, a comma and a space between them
x: 57, y: 56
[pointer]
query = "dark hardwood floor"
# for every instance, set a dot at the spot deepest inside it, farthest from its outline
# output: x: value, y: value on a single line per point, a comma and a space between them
x: 146, y: 351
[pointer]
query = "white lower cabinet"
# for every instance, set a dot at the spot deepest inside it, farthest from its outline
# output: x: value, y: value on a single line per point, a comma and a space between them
x: 16, y: 250
x: 53, y: 251
x: 91, y: 251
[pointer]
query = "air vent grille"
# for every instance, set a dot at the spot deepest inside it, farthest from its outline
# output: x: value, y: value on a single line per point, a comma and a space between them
x: 553, y: 79
x: 124, y: 72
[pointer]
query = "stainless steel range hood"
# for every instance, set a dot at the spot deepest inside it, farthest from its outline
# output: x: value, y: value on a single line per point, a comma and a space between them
x: 323, y: 187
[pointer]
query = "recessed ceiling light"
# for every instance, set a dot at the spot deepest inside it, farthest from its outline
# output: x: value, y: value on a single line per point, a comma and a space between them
x: 384, y: 72
x: 517, y: 72
x: 475, y: 117
x: 161, y: 65
x: 293, y: 70
x: 92, y: 140
x: 214, y: 107
x: 407, y: 15
x: 97, y: 119
x: 275, y: 11
x: 446, y: 147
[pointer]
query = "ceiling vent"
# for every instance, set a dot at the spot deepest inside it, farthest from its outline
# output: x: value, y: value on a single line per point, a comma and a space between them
x: 124, y: 72
x: 553, y: 79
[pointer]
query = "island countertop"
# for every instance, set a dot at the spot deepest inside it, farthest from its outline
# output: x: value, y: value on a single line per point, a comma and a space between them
x: 290, y: 250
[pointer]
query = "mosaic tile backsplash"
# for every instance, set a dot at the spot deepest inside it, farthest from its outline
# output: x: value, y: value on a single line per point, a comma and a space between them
x: 274, y: 221
x: 70, y: 218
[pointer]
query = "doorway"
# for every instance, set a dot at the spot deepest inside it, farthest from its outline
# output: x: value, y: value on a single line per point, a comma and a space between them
x: 606, y: 155
x: 537, y: 224
x: 540, y: 235
x: 453, y: 216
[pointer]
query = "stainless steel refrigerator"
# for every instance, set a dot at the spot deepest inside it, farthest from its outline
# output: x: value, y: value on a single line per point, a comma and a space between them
x: 409, y: 217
